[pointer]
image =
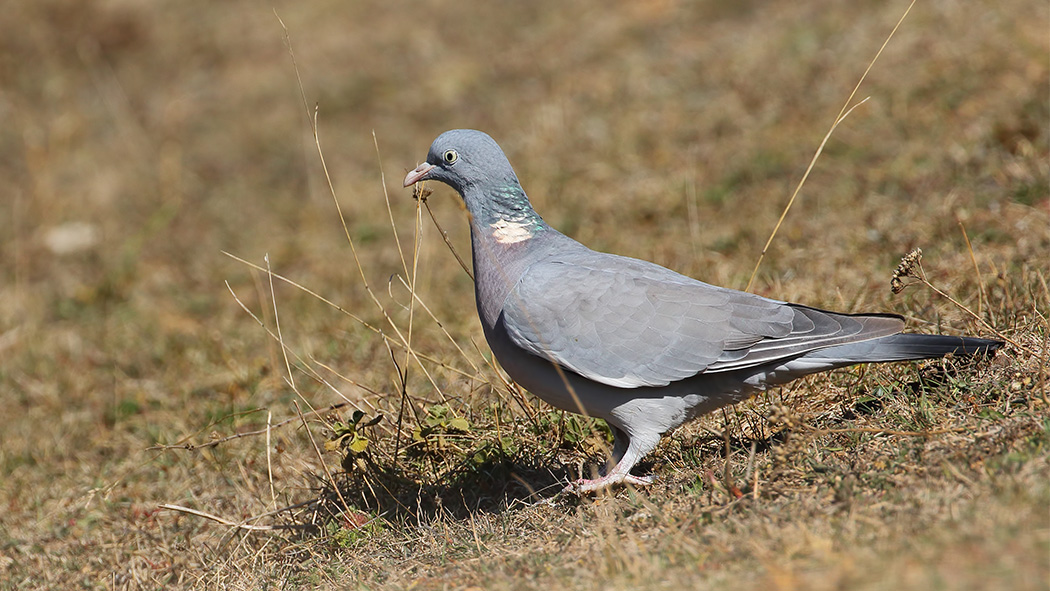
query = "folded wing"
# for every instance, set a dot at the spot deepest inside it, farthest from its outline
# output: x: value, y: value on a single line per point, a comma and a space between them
x: 629, y: 323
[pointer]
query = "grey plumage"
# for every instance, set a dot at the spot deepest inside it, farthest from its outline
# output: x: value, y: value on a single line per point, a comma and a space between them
x: 627, y: 340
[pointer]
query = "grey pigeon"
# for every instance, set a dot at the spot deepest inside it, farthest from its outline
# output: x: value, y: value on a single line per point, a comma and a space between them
x: 629, y: 341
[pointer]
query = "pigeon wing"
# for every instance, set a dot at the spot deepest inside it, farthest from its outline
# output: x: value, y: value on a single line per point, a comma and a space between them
x: 630, y: 323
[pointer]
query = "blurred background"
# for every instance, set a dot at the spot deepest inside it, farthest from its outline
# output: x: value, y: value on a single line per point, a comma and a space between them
x: 141, y: 140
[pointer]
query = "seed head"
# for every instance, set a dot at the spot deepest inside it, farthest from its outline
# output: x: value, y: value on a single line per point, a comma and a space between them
x: 905, y: 269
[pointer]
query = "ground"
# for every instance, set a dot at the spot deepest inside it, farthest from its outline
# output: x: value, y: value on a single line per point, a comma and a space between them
x: 157, y: 159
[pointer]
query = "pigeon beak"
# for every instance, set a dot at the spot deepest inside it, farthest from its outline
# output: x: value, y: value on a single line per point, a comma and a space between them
x: 417, y: 175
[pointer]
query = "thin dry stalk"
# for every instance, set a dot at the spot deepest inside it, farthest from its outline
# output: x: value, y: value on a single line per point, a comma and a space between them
x: 401, y: 406
x: 277, y: 323
x: 224, y: 521
x: 393, y: 342
x: 421, y: 194
x: 216, y: 442
x: 386, y: 199
x: 843, y: 113
x: 271, y: 347
x: 727, y: 473
x: 303, y: 366
x: 798, y: 188
x: 881, y: 431
x: 441, y: 325
x: 981, y: 295
x: 244, y: 525
x: 511, y: 387
x: 269, y: 459
x: 320, y: 458
x: 342, y: 219
x: 911, y: 266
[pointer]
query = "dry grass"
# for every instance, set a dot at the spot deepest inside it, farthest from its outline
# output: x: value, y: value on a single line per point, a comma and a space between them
x: 141, y: 142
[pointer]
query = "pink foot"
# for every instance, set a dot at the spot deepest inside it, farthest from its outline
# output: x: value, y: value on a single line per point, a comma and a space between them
x: 585, y: 485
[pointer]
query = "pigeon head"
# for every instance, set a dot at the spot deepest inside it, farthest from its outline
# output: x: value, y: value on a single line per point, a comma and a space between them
x: 473, y: 164
x: 462, y: 159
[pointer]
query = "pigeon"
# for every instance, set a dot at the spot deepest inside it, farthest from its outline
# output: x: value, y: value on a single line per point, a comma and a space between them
x: 626, y: 340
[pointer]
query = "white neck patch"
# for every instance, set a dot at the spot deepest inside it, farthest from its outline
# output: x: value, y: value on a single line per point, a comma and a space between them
x: 506, y: 232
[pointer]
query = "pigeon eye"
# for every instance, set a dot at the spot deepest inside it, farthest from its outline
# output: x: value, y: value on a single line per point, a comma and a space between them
x: 450, y: 156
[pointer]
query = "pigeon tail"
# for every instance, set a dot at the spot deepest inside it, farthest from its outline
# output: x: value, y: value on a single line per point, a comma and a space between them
x: 903, y: 347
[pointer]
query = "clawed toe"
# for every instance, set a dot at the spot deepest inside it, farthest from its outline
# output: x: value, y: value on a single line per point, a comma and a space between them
x: 585, y: 485
x: 640, y: 480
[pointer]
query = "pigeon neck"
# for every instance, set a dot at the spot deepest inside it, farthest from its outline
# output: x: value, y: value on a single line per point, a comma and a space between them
x: 503, y: 213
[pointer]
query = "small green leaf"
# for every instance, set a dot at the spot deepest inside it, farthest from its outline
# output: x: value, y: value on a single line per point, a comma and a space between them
x: 459, y: 424
x: 358, y: 444
x: 334, y: 444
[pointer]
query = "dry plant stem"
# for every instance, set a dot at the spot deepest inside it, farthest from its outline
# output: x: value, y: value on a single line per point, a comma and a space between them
x: 922, y: 278
x: 304, y: 367
x: 1046, y: 292
x: 244, y: 525
x: 798, y: 188
x: 277, y: 323
x: 402, y: 374
x: 349, y: 314
x: 1043, y: 373
x: 339, y: 210
x: 215, y: 442
x: 350, y: 381
x: 269, y: 460
x: 514, y: 392
x: 755, y: 485
x: 271, y: 348
x: 417, y: 235
x: 400, y: 408
x: 448, y: 242
x: 727, y: 475
x: 314, y: 374
x: 843, y: 113
x: 440, y: 325
x: 386, y: 198
x: 307, y: 291
x: 879, y: 431
x: 981, y: 295
x: 369, y: 390
x: 320, y: 458
x: 223, y: 521
x: 290, y: 379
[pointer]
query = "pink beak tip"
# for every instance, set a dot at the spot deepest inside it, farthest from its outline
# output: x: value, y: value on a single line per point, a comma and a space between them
x: 417, y: 175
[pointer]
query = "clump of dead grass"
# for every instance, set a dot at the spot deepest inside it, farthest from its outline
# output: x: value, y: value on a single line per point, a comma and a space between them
x: 121, y: 346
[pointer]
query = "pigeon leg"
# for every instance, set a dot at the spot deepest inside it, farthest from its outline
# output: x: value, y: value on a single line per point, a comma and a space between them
x: 626, y: 453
